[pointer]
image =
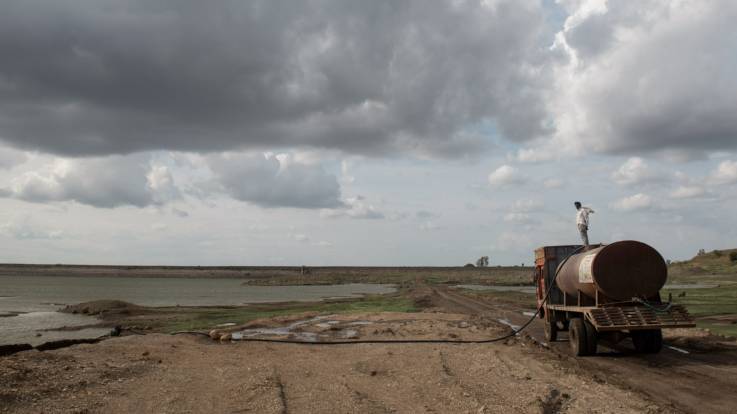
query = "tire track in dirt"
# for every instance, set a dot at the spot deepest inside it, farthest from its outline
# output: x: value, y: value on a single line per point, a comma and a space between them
x: 695, y: 382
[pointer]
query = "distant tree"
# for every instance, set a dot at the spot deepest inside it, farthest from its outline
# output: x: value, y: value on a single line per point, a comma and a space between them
x: 668, y: 262
x: 483, y: 261
x: 733, y: 257
x: 469, y: 265
x: 701, y: 252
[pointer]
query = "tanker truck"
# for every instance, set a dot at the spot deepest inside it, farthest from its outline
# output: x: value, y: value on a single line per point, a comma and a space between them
x: 605, y: 292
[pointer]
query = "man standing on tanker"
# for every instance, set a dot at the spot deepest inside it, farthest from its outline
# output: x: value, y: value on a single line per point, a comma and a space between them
x: 582, y: 220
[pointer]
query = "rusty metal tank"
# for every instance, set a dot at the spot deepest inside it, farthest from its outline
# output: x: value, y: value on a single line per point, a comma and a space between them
x: 620, y: 271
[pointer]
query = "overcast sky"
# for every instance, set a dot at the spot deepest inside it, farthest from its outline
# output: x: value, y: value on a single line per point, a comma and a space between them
x: 397, y: 132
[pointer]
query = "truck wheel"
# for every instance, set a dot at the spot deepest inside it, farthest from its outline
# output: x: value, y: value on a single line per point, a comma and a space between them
x: 656, y: 342
x: 592, y: 338
x: 648, y: 341
x: 577, y: 337
x: 551, y: 329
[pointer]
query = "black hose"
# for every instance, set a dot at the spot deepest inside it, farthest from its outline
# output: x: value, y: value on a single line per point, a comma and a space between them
x: 411, y: 341
x: 648, y: 304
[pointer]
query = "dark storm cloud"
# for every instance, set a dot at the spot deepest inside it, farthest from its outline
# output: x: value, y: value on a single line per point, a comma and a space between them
x: 101, y: 77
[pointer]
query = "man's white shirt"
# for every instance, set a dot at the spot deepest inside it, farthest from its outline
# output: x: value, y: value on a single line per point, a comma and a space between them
x: 582, y: 216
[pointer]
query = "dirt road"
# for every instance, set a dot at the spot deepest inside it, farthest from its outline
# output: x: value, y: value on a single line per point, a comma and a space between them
x: 690, y: 378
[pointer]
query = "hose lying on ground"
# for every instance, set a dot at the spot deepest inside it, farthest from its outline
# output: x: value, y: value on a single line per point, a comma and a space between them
x: 410, y: 341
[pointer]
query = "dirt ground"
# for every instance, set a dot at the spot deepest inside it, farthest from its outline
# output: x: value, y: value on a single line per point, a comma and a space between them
x: 192, y: 373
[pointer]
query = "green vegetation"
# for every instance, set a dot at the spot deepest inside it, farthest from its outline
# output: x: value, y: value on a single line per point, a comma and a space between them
x: 206, y: 318
x: 402, y: 276
x: 717, y: 265
x: 715, y: 308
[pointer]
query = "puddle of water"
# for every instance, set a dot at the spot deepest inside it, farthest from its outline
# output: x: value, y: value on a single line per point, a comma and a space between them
x: 358, y: 323
x: 284, y: 330
x: 226, y: 324
x: 528, y: 313
x: 523, y: 289
x: 24, y: 327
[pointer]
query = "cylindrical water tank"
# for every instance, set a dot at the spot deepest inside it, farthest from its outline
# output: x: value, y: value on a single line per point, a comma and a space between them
x: 620, y: 271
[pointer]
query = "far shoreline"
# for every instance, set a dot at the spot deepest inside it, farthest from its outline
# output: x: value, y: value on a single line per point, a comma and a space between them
x: 288, y: 275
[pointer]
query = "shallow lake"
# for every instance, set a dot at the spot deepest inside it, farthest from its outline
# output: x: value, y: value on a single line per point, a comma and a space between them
x: 28, y: 304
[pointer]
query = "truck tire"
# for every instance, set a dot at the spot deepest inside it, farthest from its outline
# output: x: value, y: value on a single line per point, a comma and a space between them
x: 551, y: 328
x: 656, y: 341
x: 577, y: 337
x: 592, y: 338
x: 648, y: 341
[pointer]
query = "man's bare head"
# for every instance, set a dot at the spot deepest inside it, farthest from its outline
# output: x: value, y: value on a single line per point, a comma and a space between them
x: 577, y: 204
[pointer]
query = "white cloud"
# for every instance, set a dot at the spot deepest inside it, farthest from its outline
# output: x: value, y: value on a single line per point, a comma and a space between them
x: 634, y: 171
x: 355, y: 208
x: 302, y: 238
x: 635, y: 202
x: 161, y: 183
x: 645, y: 76
x: 105, y: 182
x: 687, y: 192
x: 725, y: 173
x: 345, y: 175
x: 159, y: 227
x: 533, y: 155
x: 505, y: 175
x: 9, y: 158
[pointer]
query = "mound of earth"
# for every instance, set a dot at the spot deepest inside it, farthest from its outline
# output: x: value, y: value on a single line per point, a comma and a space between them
x: 97, y: 307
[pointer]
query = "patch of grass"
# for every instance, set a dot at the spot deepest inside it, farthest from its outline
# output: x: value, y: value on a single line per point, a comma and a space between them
x: 704, y: 303
x: 496, y: 275
x: 206, y: 318
x: 721, y: 300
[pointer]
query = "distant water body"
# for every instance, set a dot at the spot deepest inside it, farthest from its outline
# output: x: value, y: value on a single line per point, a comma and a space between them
x: 28, y: 304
